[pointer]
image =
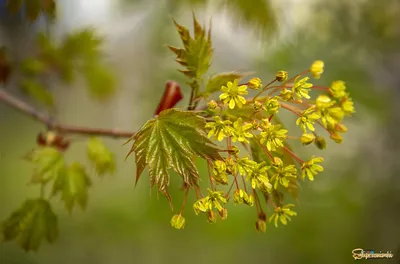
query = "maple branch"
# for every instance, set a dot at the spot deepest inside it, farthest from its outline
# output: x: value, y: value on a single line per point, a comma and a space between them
x: 28, y: 110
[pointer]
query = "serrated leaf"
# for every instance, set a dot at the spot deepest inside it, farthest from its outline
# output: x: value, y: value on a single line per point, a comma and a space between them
x: 197, y: 51
x: 100, y: 81
x: 73, y: 184
x: 215, y: 83
x: 172, y: 141
x: 37, y: 91
x: 49, y: 162
x: 30, y: 224
x: 100, y: 156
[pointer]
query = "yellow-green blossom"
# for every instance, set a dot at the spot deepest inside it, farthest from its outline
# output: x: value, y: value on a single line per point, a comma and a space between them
x: 245, y: 165
x: 287, y: 95
x: 240, y: 196
x: 254, y: 83
x: 261, y: 225
x: 338, y: 89
x: 240, y: 132
x: 281, y: 76
x: 212, y: 105
x: 272, y: 135
x: 329, y: 113
x: 282, y: 173
x: 307, y: 139
x: 317, y: 68
x: 178, y: 221
x: 206, y: 204
x: 301, y: 88
x: 219, y: 129
x: 257, y: 106
x: 219, y: 172
x: 282, y: 214
x: 223, y: 214
x: 310, y: 168
x: 211, y: 217
x: 307, y: 119
x: 259, y: 177
x: 336, y: 137
x: 232, y: 94
x: 272, y: 105
x: 347, y: 106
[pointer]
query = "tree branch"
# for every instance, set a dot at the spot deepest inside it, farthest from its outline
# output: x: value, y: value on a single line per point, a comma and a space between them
x: 28, y: 110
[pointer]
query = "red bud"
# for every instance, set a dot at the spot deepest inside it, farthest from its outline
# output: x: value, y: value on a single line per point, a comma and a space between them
x: 172, y: 95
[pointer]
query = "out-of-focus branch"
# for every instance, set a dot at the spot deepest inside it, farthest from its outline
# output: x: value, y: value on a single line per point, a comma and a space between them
x: 28, y: 110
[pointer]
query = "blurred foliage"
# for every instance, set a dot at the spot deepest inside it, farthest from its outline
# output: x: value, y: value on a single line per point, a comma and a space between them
x: 33, y: 8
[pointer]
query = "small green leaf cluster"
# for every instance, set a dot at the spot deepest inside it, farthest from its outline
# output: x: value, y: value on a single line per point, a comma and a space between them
x: 78, y: 53
x: 35, y: 220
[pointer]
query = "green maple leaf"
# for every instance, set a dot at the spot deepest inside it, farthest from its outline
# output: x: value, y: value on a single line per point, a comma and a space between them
x: 172, y: 140
x: 73, y: 184
x: 100, y: 156
x: 48, y: 161
x: 30, y: 224
x: 196, y: 54
x: 215, y: 83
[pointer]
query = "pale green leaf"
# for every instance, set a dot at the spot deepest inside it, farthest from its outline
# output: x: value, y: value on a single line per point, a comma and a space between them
x: 100, y: 156
x: 172, y: 140
x: 73, y: 184
x: 30, y: 224
x: 37, y: 91
x: 215, y: 83
x: 48, y: 161
x: 100, y: 81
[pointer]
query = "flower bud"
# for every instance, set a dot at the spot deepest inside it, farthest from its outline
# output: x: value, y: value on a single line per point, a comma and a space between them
x: 212, y: 105
x: 255, y: 125
x: 272, y: 105
x: 257, y: 106
x: 211, y: 217
x: 317, y: 68
x: 178, y: 221
x: 223, y: 214
x: 320, y: 142
x: 261, y: 225
x: 336, y: 137
x: 307, y: 139
x: 323, y: 101
x: 234, y: 150
x: 341, y: 128
x: 254, y: 83
x: 281, y: 76
x: 287, y: 95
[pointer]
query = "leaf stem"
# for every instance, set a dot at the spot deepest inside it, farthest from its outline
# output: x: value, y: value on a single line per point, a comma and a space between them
x: 293, y: 155
x: 184, y: 200
x: 263, y: 90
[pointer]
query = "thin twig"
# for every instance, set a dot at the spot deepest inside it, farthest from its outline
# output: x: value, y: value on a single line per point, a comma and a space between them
x: 28, y: 110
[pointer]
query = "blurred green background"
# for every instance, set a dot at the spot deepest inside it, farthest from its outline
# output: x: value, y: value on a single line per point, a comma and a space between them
x: 355, y: 203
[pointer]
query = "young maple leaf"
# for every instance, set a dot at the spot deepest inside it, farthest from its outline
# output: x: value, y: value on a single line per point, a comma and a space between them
x: 172, y: 141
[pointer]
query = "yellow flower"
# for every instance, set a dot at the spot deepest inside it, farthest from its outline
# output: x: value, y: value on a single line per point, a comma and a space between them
x: 254, y: 83
x: 317, y: 68
x: 232, y: 94
x: 338, y: 89
x: 281, y: 76
x: 301, y: 87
